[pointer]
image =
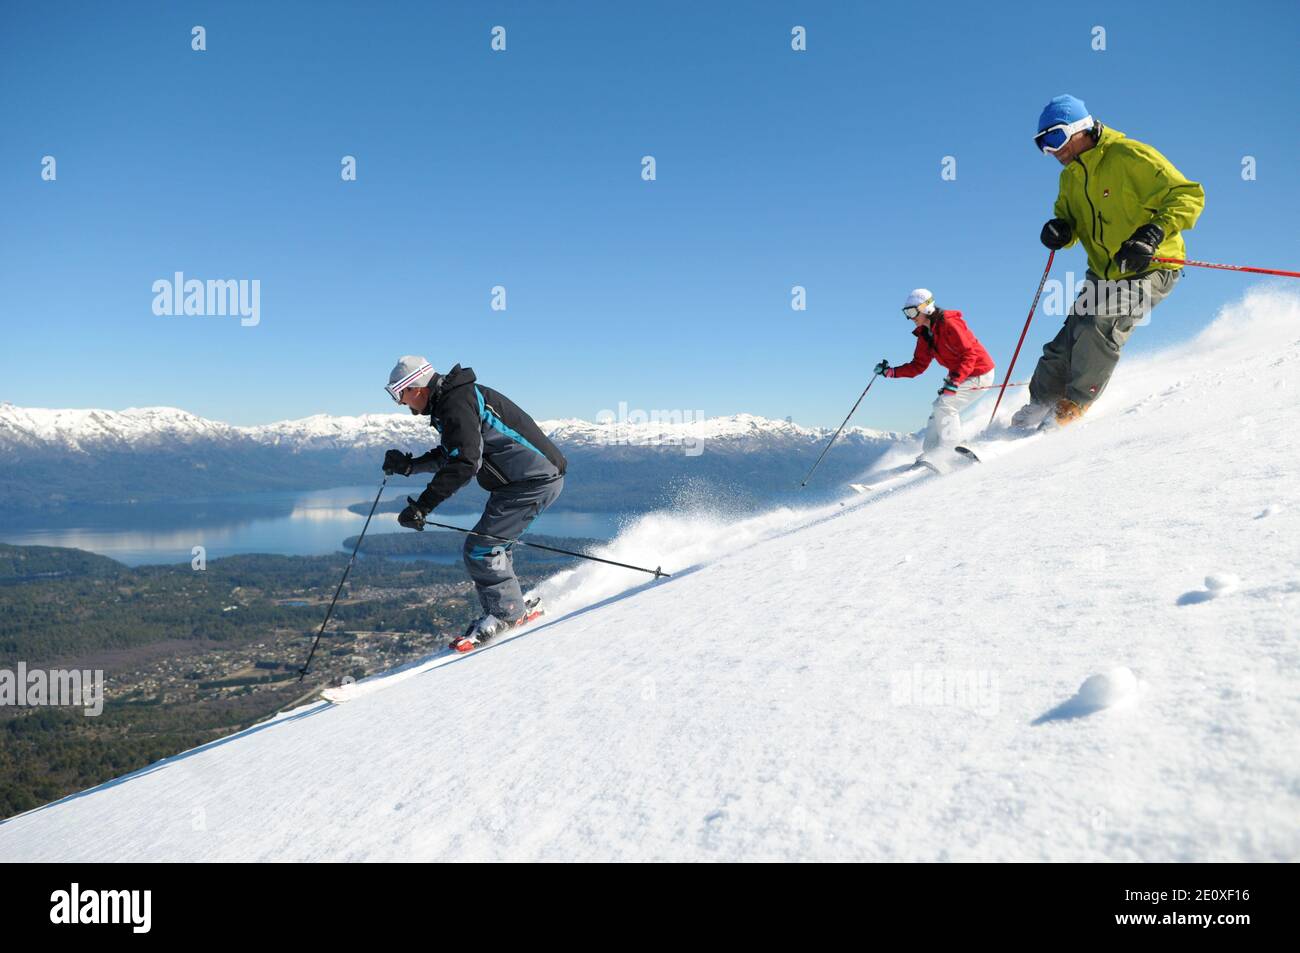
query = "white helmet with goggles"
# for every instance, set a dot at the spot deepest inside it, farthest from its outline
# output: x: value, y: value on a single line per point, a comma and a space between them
x: 919, y: 302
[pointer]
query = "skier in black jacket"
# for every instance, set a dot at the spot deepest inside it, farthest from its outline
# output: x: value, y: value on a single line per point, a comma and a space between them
x: 483, y: 434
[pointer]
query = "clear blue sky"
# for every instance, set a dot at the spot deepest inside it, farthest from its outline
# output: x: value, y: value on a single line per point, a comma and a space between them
x: 522, y: 169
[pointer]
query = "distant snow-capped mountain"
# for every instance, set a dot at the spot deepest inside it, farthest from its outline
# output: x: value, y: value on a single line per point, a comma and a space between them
x: 84, y: 431
x: 39, y: 428
x: 74, y: 431
x: 743, y: 432
x: 68, y: 459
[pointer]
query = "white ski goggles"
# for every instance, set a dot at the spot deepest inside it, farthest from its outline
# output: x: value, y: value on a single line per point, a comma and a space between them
x: 1051, y: 139
x: 915, y: 310
x: 395, y: 389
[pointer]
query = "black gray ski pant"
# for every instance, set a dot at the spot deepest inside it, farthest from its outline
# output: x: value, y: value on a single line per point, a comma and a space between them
x: 1078, y: 362
x: 508, y: 512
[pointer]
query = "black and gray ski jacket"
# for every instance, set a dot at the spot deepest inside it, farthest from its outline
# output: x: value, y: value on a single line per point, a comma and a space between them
x: 483, y: 433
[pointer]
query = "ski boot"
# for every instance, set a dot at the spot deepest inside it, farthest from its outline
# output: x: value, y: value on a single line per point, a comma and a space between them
x: 1067, y: 412
x: 489, y: 626
x: 1029, y: 416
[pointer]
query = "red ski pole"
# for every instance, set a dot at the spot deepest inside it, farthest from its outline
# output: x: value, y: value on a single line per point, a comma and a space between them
x: 1037, y: 294
x: 1210, y: 264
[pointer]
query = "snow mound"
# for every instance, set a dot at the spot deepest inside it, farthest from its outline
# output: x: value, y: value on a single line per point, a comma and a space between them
x: 1222, y: 583
x: 1116, y: 687
x: 1216, y: 585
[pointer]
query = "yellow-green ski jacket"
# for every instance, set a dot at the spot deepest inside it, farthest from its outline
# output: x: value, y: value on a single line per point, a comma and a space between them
x: 1119, y: 185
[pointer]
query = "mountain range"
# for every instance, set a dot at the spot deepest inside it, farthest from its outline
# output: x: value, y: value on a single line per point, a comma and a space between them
x: 56, y: 458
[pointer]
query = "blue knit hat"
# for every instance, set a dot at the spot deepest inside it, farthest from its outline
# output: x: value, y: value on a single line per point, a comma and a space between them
x: 1063, y: 109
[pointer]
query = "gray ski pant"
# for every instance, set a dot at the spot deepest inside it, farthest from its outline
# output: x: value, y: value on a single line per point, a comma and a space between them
x: 1078, y: 362
x: 490, y: 562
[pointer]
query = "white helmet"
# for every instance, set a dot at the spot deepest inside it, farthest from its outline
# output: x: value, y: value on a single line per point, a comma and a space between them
x: 919, y: 301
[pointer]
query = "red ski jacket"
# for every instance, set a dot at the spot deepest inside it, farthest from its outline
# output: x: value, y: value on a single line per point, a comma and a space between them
x: 952, y: 344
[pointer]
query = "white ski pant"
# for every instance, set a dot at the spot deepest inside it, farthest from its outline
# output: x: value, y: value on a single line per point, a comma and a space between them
x: 944, y: 429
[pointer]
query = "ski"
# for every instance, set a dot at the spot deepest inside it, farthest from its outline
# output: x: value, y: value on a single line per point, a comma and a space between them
x: 350, y: 691
x: 464, y: 644
x: 1001, y: 442
x: 891, y: 479
x: 967, y: 453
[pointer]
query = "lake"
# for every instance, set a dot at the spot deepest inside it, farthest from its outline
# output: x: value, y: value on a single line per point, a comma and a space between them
x: 308, y: 523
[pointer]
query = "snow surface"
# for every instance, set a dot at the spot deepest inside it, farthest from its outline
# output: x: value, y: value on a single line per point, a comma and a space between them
x: 1000, y: 664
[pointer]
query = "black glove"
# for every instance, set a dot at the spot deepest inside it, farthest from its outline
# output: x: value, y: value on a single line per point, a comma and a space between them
x: 1136, y: 253
x: 883, y: 368
x: 397, y: 462
x: 431, y: 462
x: 948, y: 386
x: 413, y: 516
x: 1056, y: 234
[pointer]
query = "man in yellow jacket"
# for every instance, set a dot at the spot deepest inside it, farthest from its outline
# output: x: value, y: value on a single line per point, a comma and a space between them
x: 1128, y: 205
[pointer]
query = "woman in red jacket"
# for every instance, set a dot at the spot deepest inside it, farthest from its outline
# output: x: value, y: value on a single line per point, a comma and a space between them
x: 943, y: 336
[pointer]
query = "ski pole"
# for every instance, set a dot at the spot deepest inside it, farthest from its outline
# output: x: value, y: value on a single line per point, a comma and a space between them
x: 837, y: 432
x: 1037, y: 294
x: 1210, y: 264
x: 302, y: 672
x: 656, y: 572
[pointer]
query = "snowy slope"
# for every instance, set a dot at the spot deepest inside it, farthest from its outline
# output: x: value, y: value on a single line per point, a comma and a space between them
x: 783, y: 695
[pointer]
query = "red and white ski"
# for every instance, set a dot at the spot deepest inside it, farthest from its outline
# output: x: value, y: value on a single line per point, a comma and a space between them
x: 464, y: 643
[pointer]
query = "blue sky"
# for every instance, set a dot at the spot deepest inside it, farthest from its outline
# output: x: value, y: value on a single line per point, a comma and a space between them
x: 522, y: 169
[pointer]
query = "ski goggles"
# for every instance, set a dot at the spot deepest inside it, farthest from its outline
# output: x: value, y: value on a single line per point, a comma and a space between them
x: 1051, y: 139
x: 395, y: 388
x: 916, y: 310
